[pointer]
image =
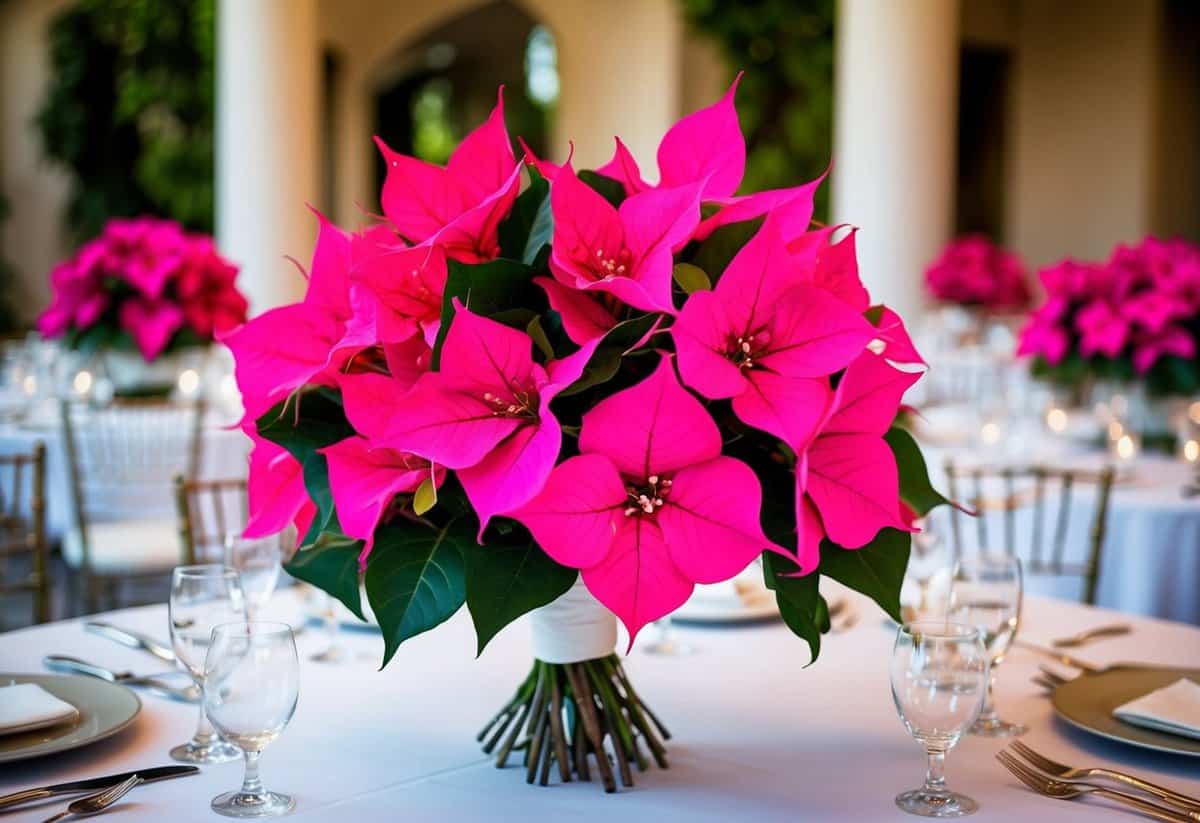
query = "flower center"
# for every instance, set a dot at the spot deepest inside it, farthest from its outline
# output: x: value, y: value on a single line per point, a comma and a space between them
x: 522, y: 404
x: 647, y: 498
x: 605, y: 264
x: 746, y: 350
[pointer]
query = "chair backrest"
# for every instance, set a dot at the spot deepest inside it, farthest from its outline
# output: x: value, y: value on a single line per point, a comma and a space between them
x: 123, y: 458
x: 208, y: 511
x: 23, y: 529
x: 1037, y: 501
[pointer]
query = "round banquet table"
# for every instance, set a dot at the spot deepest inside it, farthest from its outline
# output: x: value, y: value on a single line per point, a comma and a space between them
x: 756, y: 735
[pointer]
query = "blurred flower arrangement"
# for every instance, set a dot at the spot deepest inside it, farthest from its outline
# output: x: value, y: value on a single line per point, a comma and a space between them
x: 506, y: 398
x: 1134, y: 317
x: 973, y: 271
x: 146, y: 282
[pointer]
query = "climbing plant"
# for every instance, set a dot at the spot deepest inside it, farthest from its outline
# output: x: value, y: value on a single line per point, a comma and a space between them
x: 129, y: 110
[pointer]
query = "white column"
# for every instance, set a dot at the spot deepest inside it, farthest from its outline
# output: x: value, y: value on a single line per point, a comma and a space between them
x: 895, y: 114
x: 267, y: 142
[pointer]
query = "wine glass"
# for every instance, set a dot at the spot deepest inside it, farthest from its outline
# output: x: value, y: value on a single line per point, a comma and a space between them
x: 251, y: 685
x: 258, y: 561
x: 939, y: 683
x: 202, y: 596
x: 332, y: 651
x: 665, y: 643
x: 985, y: 592
x: 928, y: 559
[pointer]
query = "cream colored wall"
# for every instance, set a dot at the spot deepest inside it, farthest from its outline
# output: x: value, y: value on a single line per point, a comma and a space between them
x: 31, y: 238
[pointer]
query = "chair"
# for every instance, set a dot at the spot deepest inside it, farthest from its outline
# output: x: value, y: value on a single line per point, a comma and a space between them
x: 23, y: 530
x: 122, y: 459
x: 208, y: 511
x: 1010, y: 491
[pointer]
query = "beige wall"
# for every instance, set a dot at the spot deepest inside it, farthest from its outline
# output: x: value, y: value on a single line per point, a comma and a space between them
x: 31, y: 238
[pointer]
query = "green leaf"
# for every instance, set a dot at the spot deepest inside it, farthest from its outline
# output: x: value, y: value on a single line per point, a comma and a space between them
x: 605, y: 362
x: 416, y: 579
x: 305, y: 422
x: 876, y: 570
x: 486, y: 289
x: 331, y: 566
x: 606, y: 187
x: 915, y: 488
x: 715, y: 252
x: 800, y: 603
x: 691, y: 278
x: 538, y: 334
x: 505, y: 582
x: 514, y: 231
x: 426, y: 497
x: 540, y: 235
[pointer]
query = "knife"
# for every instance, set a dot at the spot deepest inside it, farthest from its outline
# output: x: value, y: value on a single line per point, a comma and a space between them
x: 73, y: 665
x: 147, y: 775
x: 133, y: 640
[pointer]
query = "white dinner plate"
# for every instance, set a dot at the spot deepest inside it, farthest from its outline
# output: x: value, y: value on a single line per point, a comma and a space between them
x: 104, y: 709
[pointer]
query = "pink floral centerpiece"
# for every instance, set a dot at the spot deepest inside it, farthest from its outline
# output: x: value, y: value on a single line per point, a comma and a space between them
x: 146, y: 282
x: 578, y: 394
x: 1134, y: 317
x: 973, y: 271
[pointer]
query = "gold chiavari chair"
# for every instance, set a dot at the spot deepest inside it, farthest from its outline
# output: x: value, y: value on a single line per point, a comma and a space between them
x: 1004, y: 493
x: 209, y: 511
x: 122, y: 460
x: 23, y: 530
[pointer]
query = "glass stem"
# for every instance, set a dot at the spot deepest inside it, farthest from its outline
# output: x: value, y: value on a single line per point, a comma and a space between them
x: 204, y: 735
x: 935, y: 773
x: 251, y: 784
x: 989, y: 707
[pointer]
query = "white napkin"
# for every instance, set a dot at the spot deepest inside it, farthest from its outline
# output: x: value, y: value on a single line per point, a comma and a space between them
x: 27, y: 706
x: 1174, y: 709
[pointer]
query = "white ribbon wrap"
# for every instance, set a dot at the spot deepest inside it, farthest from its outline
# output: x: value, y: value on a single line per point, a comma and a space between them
x: 573, y: 628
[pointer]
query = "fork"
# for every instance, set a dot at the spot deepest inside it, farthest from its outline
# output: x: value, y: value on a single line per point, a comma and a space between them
x: 98, y: 802
x: 1085, y: 637
x: 1065, y: 772
x: 1061, y: 790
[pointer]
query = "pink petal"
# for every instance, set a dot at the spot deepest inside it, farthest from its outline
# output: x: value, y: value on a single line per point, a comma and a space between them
x: 832, y: 266
x: 653, y: 427
x: 660, y: 218
x: 481, y: 353
x: 151, y: 323
x: 577, y: 512
x: 471, y: 236
x: 584, y: 316
x: 564, y: 371
x: 702, y: 332
x: 757, y: 278
x: 584, y: 223
x: 512, y: 473
x: 813, y: 334
x: 328, y: 282
x: 407, y: 280
x: 407, y: 360
x: 853, y: 481
x: 369, y: 399
x: 484, y: 159
x: 624, y: 169
x: 706, y: 147
x: 274, y: 489
x: 710, y: 521
x: 868, y: 396
x: 898, y: 346
x: 796, y: 204
x: 363, y: 482
x: 637, y: 580
x: 652, y: 296
x: 809, y: 534
x: 790, y: 408
x: 419, y: 198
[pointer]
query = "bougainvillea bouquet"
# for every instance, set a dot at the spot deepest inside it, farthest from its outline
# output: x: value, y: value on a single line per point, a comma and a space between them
x: 973, y: 271
x: 576, y: 393
x: 143, y: 282
x: 1136, y: 316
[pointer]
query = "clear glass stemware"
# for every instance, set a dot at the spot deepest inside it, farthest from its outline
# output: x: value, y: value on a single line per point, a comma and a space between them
x: 258, y: 561
x: 202, y: 597
x: 986, y: 592
x: 939, y: 683
x: 251, y: 686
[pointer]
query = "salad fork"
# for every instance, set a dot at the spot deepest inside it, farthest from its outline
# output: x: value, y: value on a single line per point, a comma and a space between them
x: 1063, y: 790
x: 1087, y: 636
x: 98, y: 802
x: 1063, y: 771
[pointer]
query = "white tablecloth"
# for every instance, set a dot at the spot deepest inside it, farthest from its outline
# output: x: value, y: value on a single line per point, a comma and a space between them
x: 756, y: 735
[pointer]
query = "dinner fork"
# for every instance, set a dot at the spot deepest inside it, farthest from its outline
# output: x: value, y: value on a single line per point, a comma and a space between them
x: 1063, y: 771
x: 98, y: 802
x: 1062, y: 790
x: 1087, y: 636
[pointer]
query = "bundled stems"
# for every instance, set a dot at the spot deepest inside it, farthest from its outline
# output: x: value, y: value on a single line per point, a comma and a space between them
x: 565, y: 712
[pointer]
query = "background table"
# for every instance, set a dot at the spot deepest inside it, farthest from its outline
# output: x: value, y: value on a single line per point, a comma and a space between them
x: 756, y: 735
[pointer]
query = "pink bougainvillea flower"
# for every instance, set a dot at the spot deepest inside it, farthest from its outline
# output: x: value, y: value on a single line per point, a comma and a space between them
x: 1102, y: 329
x: 1153, y: 311
x: 274, y: 488
x: 459, y: 206
x: 768, y: 341
x: 625, y: 252
x: 974, y: 271
x: 486, y: 413
x: 407, y: 283
x: 847, y: 482
x: 651, y: 506
x: 151, y: 323
x: 1149, y: 348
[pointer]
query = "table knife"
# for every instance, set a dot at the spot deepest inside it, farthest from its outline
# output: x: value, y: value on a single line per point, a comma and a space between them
x: 73, y: 665
x: 133, y: 640
x: 95, y: 783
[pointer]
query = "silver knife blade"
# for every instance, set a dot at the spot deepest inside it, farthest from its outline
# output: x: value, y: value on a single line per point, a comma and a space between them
x: 132, y: 639
x: 91, y: 784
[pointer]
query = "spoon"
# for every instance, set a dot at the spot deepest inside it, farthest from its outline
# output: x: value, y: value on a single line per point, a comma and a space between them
x: 98, y: 802
x: 1085, y: 637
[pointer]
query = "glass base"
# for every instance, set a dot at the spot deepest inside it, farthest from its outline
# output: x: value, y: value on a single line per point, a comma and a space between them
x: 217, y: 751
x: 995, y: 727
x: 244, y: 804
x: 925, y: 803
x: 669, y: 648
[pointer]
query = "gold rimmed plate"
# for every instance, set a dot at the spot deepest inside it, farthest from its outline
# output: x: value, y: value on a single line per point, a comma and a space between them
x: 1087, y: 702
x: 104, y: 709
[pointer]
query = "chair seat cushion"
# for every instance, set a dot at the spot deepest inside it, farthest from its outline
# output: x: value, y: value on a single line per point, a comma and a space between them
x: 126, y: 546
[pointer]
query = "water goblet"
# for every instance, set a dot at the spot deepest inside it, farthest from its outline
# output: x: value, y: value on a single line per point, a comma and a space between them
x: 202, y: 596
x: 251, y: 685
x: 258, y: 561
x: 939, y: 683
x: 986, y: 592
x: 929, y: 559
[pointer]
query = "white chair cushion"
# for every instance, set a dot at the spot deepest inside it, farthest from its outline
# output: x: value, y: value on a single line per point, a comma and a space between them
x: 127, y: 546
